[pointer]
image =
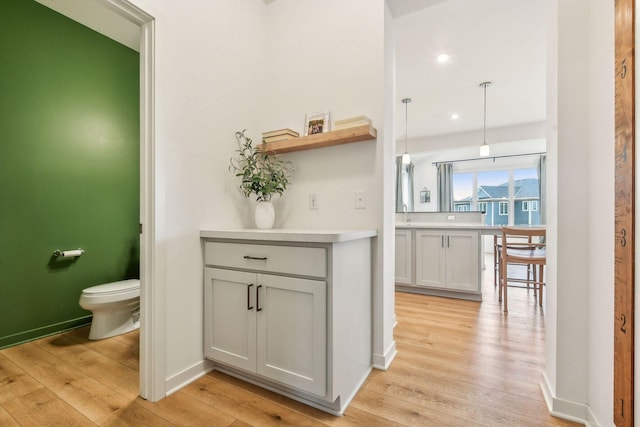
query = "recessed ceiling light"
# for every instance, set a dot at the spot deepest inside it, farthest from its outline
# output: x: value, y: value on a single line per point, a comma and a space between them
x: 443, y: 57
x: 454, y: 116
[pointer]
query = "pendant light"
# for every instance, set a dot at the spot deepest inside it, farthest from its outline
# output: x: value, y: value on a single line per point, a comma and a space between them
x: 406, y: 159
x: 484, y: 147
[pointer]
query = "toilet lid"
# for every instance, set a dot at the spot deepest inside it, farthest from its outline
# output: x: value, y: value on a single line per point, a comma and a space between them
x: 114, y: 287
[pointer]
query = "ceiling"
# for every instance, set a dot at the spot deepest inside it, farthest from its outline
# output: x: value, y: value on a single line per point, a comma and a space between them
x: 502, y: 41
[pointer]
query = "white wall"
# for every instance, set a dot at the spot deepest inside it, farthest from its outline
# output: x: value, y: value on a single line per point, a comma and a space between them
x: 384, y: 344
x: 495, y: 136
x: 329, y: 55
x: 568, y: 232
x: 326, y: 56
x: 579, y: 369
x: 601, y: 208
x: 208, y: 85
x: 425, y: 175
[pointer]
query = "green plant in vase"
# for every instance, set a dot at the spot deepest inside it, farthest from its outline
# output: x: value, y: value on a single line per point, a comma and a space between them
x: 262, y: 174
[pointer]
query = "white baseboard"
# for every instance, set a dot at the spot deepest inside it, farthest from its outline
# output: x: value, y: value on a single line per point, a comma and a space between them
x: 561, y: 408
x: 189, y: 375
x: 591, y: 419
x: 383, y: 361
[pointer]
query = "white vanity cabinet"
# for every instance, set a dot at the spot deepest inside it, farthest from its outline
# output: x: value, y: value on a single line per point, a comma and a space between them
x: 404, y: 256
x: 291, y: 315
x: 446, y: 262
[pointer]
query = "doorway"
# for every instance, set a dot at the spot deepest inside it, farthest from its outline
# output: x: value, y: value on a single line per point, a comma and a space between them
x: 117, y: 19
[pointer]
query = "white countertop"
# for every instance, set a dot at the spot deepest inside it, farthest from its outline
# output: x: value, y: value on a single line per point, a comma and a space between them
x: 462, y: 225
x: 483, y: 228
x: 290, y: 235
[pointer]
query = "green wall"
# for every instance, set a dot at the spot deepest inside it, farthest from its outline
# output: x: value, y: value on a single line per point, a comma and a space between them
x: 69, y: 167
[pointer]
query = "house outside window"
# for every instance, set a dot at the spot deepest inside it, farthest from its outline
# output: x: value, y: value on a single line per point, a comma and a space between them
x: 509, y: 196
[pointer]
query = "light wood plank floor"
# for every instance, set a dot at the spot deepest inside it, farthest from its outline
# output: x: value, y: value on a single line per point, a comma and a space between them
x: 460, y: 363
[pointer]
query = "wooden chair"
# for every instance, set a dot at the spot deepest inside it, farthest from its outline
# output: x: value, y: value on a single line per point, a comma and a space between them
x: 528, y: 253
x: 497, y: 245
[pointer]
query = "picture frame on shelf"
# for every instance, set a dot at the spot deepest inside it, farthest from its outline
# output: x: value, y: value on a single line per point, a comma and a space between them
x: 316, y: 123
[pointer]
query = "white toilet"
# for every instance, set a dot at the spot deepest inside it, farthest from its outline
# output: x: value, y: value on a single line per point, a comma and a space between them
x: 115, y: 307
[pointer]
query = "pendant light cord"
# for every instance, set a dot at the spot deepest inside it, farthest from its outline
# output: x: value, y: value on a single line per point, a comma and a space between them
x: 484, y: 123
x: 484, y: 126
x: 406, y: 126
x: 406, y: 102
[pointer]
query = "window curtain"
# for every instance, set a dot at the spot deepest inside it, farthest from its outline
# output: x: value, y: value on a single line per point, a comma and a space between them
x: 404, y: 186
x: 542, y: 180
x: 445, y: 187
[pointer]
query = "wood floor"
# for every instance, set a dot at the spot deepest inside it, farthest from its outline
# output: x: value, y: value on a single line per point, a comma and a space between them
x: 459, y: 363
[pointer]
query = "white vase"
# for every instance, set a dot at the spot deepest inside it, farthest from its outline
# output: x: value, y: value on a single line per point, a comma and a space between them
x: 265, y: 215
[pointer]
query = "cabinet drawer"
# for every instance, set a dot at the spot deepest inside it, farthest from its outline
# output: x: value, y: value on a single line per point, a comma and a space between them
x: 296, y: 260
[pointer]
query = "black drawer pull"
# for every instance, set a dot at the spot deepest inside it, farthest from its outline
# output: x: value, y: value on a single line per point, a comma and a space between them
x: 258, y: 308
x: 255, y: 257
x: 249, y: 306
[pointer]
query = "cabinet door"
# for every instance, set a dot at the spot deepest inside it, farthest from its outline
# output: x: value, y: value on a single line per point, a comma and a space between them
x: 463, y: 260
x: 403, y: 257
x: 430, y: 258
x: 230, y: 317
x: 292, y: 332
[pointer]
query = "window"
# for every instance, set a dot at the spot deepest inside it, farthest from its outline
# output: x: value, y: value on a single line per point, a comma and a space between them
x: 462, y: 187
x: 462, y: 208
x: 504, y: 208
x: 507, y: 191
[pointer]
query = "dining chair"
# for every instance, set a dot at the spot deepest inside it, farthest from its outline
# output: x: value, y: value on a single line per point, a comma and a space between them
x: 497, y: 245
x: 530, y: 253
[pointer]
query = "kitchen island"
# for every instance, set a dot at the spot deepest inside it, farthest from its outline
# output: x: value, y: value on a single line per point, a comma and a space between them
x: 442, y: 258
x: 439, y: 259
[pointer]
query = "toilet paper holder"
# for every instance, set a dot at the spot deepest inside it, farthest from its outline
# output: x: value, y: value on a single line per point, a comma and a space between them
x: 69, y: 253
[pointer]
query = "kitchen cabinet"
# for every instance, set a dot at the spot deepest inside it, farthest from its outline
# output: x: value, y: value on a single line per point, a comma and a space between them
x: 404, y: 254
x: 270, y: 325
x: 293, y: 316
x: 448, y: 259
x: 446, y: 262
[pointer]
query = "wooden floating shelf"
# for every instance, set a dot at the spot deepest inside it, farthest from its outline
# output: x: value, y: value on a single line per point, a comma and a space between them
x: 326, y: 139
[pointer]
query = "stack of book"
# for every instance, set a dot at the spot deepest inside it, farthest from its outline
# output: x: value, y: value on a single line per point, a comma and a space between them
x: 352, y: 122
x: 278, y: 135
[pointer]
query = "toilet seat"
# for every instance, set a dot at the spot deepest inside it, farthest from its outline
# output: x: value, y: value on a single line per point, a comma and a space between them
x: 112, y: 292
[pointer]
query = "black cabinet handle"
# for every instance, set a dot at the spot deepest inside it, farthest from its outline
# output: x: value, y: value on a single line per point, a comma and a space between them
x: 256, y: 258
x: 258, y: 308
x: 249, y: 306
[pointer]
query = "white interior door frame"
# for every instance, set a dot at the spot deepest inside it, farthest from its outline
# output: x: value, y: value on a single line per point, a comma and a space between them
x: 118, y: 20
x: 152, y: 296
x: 123, y: 21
